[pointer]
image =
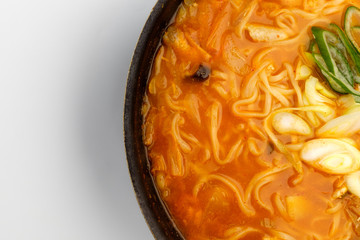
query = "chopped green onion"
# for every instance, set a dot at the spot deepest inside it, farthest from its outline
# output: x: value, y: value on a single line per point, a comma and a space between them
x: 351, y: 13
x: 334, y: 82
x: 350, y: 51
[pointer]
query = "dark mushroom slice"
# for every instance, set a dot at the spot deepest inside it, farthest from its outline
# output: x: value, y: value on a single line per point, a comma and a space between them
x: 201, y: 74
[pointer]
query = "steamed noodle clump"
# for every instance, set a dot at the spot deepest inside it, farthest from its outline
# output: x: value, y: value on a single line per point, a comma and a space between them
x: 245, y: 140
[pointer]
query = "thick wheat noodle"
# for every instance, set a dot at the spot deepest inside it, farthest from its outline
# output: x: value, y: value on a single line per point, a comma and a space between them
x: 158, y: 60
x: 335, y: 224
x: 280, y: 206
x: 331, y: 10
x: 220, y: 89
x: 334, y: 208
x: 240, y: 28
x: 215, y: 121
x: 333, y: 3
x: 301, y: 34
x: 284, y: 85
x: 233, y: 185
x: 234, y: 88
x: 251, y: 83
x: 295, y: 84
x: 250, y: 87
x: 284, y: 91
x: 236, y: 5
x: 254, y: 148
x: 307, y: 233
x: 257, y: 130
x: 196, y: 168
x: 299, y: 177
x: 262, y: 162
x: 290, y: 29
x: 177, y: 165
x: 158, y: 163
x: 267, y: 109
x: 316, y: 236
x: 185, y: 147
x: 304, y: 13
x: 256, y: 192
x: 219, y: 74
x: 191, y: 41
x: 190, y: 138
x: 246, y: 101
x: 254, y: 181
x: 279, y: 77
x: 278, y: 12
x: 192, y: 104
x: 347, y: 226
x: 273, y: 92
x: 281, y: 235
x: 259, y: 57
x: 236, y: 233
x: 235, y: 151
x: 326, y: 5
x: 334, y: 227
x: 174, y: 105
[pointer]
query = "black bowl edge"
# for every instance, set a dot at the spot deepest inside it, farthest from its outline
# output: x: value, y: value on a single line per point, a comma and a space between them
x: 153, y: 209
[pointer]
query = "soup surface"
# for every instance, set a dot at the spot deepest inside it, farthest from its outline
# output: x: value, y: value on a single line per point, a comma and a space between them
x: 241, y: 127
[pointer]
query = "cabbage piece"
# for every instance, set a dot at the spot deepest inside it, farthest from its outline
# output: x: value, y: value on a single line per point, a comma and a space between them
x: 264, y: 33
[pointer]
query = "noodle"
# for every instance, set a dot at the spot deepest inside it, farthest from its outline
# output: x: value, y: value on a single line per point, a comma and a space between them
x: 240, y: 29
x: 294, y: 83
x: 267, y: 108
x: 254, y: 181
x: 280, y: 206
x: 273, y: 92
x: 184, y: 146
x: 236, y: 149
x: 239, y: 232
x: 256, y: 194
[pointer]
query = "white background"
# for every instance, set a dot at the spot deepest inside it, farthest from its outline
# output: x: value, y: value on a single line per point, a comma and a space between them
x: 63, y: 69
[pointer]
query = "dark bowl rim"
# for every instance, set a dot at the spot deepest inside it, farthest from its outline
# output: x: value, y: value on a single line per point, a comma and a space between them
x: 153, y: 220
